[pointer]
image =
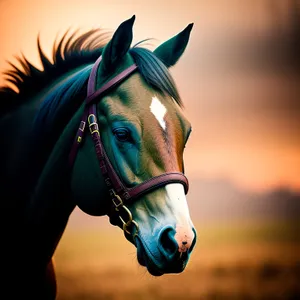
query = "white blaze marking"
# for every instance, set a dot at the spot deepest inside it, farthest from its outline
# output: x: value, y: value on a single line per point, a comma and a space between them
x: 184, y: 234
x: 175, y: 192
x: 159, y: 111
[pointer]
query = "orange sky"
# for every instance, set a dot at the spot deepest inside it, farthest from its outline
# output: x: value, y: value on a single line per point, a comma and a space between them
x: 240, y: 129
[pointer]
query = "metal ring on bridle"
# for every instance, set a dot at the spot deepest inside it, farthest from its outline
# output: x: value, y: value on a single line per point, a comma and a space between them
x: 129, y: 222
x: 130, y: 232
x: 129, y: 215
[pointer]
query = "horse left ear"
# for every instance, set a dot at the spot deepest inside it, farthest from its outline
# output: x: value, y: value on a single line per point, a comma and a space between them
x: 171, y: 50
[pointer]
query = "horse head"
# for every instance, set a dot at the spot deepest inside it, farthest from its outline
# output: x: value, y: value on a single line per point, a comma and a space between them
x: 144, y: 132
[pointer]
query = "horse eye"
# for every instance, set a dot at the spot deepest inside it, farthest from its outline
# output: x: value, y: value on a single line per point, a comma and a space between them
x: 122, y: 134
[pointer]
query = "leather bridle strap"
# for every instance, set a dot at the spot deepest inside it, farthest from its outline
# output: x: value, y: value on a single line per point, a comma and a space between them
x: 118, y: 191
x: 91, y: 96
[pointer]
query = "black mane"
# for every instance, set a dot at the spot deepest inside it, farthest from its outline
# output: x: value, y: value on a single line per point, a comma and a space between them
x: 68, y: 53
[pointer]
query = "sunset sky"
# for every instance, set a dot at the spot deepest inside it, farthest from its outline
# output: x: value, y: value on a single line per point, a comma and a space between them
x: 245, y: 121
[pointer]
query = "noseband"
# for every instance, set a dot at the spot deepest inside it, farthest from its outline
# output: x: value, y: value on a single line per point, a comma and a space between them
x: 119, y: 193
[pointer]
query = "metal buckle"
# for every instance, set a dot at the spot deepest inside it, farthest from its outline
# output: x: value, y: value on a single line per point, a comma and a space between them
x: 95, y: 129
x: 92, y: 118
x: 93, y: 122
x: 117, y: 205
x: 82, y: 126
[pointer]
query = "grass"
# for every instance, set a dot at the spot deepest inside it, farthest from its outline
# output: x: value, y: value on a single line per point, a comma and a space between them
x: 242, y: 260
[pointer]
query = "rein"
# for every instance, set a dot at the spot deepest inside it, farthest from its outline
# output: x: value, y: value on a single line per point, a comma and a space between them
x: 119, y: 193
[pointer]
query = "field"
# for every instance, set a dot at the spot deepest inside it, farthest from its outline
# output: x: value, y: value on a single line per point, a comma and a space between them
x: 234, y: 261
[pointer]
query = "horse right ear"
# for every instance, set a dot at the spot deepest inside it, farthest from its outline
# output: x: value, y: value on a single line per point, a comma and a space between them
x: 118, y: 45
x: 170, y: 51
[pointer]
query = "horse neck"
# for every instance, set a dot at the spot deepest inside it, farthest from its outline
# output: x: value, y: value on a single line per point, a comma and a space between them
x: 50, y: 205
x: 52, y: 189
x: 17, y: 157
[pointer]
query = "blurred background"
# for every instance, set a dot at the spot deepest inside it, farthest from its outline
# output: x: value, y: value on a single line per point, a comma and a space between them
x: 239, y: 79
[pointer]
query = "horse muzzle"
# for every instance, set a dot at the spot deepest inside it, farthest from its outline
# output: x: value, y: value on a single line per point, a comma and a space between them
x: 165, y: 254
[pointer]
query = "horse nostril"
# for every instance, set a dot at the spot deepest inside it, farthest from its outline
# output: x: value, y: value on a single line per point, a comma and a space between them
x: 184, y: 243
x: 167, y: 242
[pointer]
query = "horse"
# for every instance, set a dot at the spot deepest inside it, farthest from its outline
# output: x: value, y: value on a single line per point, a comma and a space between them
x: 102, y: 128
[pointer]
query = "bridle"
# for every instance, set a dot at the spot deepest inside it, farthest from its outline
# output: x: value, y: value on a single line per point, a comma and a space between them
x: 119, y: 193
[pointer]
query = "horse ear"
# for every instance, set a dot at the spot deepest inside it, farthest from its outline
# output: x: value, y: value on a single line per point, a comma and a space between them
x: 170, y: 51
x: 118, y: 45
